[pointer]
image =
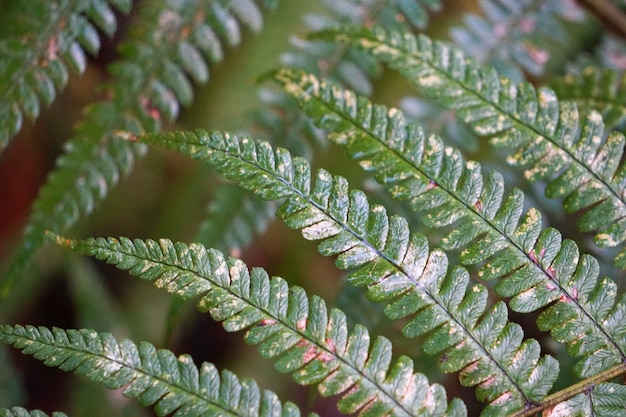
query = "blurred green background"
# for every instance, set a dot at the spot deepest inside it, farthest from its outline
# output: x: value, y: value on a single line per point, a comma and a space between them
x: 167, y: 196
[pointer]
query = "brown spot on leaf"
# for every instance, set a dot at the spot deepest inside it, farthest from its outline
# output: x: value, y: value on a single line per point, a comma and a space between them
x: 431, y: 184
x: 325, y: 357
x: 330, y: 344
x: 266, y: 322
x: 310, y: 354
x: 301, y: 324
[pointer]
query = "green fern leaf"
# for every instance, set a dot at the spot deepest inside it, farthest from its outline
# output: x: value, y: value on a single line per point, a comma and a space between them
x: 58, y: 35
x: 347, y: 66
x: 150, y: 83
x: 596, y: 89
x: 409, y: 14
x: 304, y: 337
x: 544, y: 135
x: 535, y: 266
x: 154, y: 377
x: 247, y: 12
x: 22, y: 412
x: 392, y: 263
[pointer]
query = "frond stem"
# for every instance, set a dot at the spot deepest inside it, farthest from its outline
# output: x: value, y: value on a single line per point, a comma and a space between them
x: 569, y: 392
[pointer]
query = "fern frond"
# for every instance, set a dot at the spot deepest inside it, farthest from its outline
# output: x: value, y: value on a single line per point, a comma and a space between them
x: 392, y: 263
x: 516, y: 36
x: 299, y: 332
x: 536, y: 267
x: 348, y: 66
x: 58, y: 35
x: 233, y: 218
x: 600, y: 89
x: 169, y: 50
x: 545, y: 135
x: 153, y: 376
x: 22, y: 412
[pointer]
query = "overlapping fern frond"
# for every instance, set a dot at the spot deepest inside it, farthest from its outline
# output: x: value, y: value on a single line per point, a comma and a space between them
x: 518, y: 36
x: 600, y: 89
x: 299, y: 332
x: 348, y: 66
x: 394, y: 264
x: 546, y: 137
x: 345, y: 65
x: 170, y: 48
x: 280, y: 120
x: 22, y: 412
x: 389, y: 13
x: 233, y: 219
x: 536, y: 267
x: 58, y: 34
x: 153, y: 376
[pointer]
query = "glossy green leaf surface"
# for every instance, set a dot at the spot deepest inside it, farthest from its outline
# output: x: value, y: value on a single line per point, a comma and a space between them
x: 299, y: 332
x: 535, y: 267
x: 546, y: 137
x: 153, y: 376
x: 395, y: 265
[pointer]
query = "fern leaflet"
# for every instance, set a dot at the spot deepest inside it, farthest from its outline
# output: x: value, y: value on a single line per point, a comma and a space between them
x: 392, y: 263
x: 545, y: 135
x: 535, y: 266
x: 304, y: 337
x: 154, y: 377
x: 58, y: 34
x: 150, y: 83
x: 22, y: 412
